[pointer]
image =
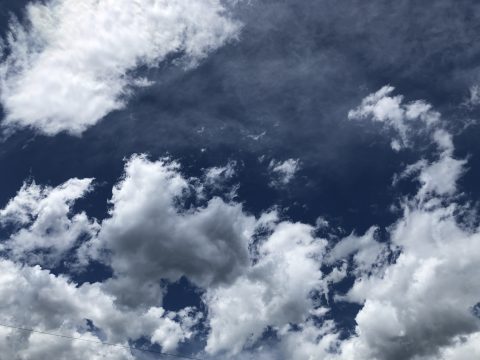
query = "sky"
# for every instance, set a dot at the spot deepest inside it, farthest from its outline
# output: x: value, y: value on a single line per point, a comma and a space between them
x: 241, y: 179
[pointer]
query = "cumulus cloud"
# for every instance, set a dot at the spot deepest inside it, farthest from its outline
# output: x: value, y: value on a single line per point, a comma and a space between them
x: 275, y: 292
x: 60, y: 306
x: 424, y: 300
x: 70, y: 63
x: 417, y: 286
x: 420, y: 306
x: 150, y: 236
x: 41, y: 225
x: 266, y: 269
x: 437, y: 177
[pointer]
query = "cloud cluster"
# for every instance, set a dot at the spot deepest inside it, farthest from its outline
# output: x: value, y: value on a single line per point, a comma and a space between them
x: 151, y: 236
x: 259, y: 276
x: 421, y: 305
x: 275, y: 292
x: 70, y: 63
x: 42, y: 228
x: 57, y: 305
x: 268, y: 270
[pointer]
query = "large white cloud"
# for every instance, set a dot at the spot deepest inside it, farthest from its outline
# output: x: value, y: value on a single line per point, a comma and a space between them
x: 70, y: 63
x: 422, y: 305
x: 391, y: 111
x: 150, y: 236
x: 275, y: 292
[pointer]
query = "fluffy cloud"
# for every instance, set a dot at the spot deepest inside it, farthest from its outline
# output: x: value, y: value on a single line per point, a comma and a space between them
x: 41, y: 225
x: 150, y: 236
x: 267, y: 270
x: 390, y: 110
x: 59, y: 306
x: 418, y: 290
x: 424, y: 300
x: 275, y: 292
x: 422, y: 305
x: 71, y: 62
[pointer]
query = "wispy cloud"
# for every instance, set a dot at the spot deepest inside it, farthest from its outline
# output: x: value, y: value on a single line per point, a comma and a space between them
x: 70, y: 62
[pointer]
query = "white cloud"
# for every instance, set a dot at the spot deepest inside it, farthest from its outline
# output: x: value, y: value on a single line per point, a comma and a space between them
x: 34, y: 298
x: 424, y: 300
x: 310, y: 342
x: 275, y: 291
x: 150, y: 236
x: 365, y: 249
x: 390, y: 110
x: 419, y: 290
x: 43, y: 226
x: 283, y: 171
x: 70, y: 63
x: 463, y: 348
x: 214, y: 175
x: 421, y: 306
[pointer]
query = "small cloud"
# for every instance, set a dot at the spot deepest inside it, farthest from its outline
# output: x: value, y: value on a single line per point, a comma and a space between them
x: 258, y: 136
x: 474, y: 96
x: 284, y: 171
x: 215, y: 175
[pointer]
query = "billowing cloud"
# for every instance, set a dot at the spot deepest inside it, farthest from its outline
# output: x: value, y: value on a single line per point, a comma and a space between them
x: 425, y: 299
x: 421, y: 305
x: 275, y: 292
x: 151, y: 236
x: 417, y: 285
x: 70, y: 63
x: 59, y: 306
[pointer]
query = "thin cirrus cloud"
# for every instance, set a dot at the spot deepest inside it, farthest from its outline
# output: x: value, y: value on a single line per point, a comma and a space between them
x: 69, y: 62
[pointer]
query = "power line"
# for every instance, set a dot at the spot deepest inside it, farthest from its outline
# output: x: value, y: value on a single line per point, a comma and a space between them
x: 99, y: 342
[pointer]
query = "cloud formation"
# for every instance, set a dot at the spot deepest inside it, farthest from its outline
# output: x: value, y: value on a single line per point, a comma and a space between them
x: 275, y: 292
x: 283, y: 172
x: 259, y: 276
x: 70, y: 63
x: 58, y: 305
x: 42, y: 226
x: 151, y: 236
x: 420, y: 306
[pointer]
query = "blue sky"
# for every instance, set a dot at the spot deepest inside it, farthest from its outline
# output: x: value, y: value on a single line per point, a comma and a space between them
x: 241, y: 179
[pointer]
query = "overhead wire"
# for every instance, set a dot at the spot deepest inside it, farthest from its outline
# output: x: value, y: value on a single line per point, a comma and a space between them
x: 133, y: 348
